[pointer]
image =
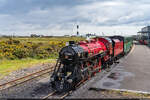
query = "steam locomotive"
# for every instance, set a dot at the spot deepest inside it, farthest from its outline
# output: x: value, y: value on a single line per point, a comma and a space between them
x: 80, y: 61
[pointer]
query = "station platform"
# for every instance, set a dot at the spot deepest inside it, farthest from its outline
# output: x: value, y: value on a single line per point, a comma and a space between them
x: 131, y: 74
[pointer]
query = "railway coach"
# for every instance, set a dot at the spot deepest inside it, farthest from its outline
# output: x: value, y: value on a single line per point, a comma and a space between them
x: 127, y: 43
x: 80, y: 61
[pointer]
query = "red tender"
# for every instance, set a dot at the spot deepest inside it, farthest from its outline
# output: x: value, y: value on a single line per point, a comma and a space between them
x: 118, y: 47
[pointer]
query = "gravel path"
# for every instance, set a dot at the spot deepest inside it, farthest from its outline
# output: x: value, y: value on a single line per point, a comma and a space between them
x: 25, y: 71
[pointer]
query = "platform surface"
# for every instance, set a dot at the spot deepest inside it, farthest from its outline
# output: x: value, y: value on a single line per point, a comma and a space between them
x: 132, y: 73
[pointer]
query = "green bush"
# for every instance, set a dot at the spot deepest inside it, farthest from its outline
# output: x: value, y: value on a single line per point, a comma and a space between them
x: 18, y: 49
x: 21, y: 53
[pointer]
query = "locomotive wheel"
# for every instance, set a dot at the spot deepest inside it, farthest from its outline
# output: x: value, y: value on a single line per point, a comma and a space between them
x: 65, y: 87
x: 92, y: 72
x: 110, y: 61
x: 89, y: 73
x: 89, y: 77
x: 107, y: 67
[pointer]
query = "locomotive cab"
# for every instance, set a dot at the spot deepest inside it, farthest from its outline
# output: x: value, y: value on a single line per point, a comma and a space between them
x: 118, y: 46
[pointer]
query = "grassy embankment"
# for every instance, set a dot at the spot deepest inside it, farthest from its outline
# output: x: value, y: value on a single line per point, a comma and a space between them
x: 7, y: 66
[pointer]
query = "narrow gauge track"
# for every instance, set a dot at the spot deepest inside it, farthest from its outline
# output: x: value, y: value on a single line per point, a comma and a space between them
x: 60, y: 96
x: 26, y: 78
x: 63, y: 95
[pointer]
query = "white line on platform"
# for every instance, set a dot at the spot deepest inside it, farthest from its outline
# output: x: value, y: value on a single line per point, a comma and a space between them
x: 125, y: 90
x: 132, y: 49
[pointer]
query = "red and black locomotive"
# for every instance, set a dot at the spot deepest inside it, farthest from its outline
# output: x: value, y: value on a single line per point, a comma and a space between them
x: 80, y: 61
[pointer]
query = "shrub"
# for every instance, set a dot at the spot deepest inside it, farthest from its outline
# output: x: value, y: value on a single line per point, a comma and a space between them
x: 21, y: 53
x: 23, y: 48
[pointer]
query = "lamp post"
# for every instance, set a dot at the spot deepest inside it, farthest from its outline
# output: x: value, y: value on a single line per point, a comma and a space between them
x: 148, y: 39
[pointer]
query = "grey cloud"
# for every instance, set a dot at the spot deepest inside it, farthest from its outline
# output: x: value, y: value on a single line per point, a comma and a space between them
x: 24, y: 6
x: 62, y: 15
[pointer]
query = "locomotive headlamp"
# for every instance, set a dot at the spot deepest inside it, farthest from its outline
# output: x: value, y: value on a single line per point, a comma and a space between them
x: 58, y: 74
x: 79, y: 54
x: 67, y: 55
x: 70, y: 80
x: 68, y: 73
x: 59, y: 78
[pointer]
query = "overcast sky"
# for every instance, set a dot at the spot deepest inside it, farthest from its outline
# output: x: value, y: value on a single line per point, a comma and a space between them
x: 59, y: 17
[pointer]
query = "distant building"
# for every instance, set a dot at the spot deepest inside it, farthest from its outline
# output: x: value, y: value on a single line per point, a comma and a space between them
x: 35, y: 35
x: 89, y: 35
x: 145, y: 31
x: 144, y: 34
x: 66, y: 35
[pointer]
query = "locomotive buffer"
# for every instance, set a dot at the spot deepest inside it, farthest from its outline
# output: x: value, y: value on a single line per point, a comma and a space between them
x: 132, y: 74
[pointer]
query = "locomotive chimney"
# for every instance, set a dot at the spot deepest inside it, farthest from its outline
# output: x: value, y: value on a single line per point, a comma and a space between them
x: 71, y: 43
